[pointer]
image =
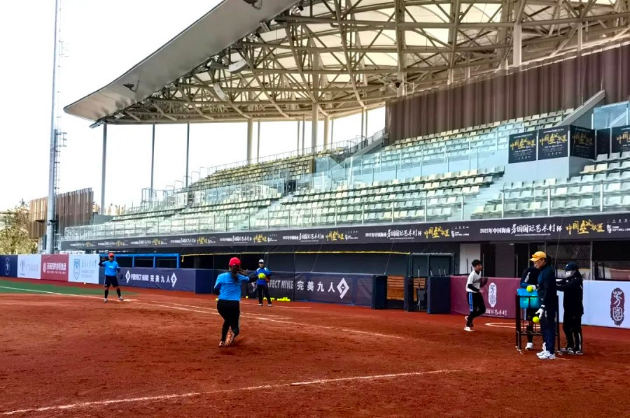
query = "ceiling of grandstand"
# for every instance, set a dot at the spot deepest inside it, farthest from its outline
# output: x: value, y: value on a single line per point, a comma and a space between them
x: 282, y: 59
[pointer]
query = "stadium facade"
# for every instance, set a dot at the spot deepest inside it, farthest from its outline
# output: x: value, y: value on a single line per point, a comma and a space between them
x: 509, y: 134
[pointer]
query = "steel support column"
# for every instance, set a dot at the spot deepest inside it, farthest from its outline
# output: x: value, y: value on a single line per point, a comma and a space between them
x: 258, y: 144
x: 326, y: 132
x: 517, y: 50
x: 187, y: 152
x: 152, y: 161
x: 250, y: 140
x: 314, y: 126
x: 103, y: 169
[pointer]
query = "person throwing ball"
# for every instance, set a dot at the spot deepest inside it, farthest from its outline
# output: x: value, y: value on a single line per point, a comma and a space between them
x: 111, y: 272
x: 228, y: 286
x: 262, y: 282
x: 475, y: 299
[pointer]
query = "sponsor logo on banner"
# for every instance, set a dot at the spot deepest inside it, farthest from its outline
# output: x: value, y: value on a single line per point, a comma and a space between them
x: 77, y: 269
x: 7, y: 266
x: 617, y: 306
x: 151, y: 278
x: 492, y: 294
x: 342, y: 287
x: 29, y: 266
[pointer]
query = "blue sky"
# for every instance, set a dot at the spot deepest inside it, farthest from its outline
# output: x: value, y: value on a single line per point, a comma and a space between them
x: 102, y: 40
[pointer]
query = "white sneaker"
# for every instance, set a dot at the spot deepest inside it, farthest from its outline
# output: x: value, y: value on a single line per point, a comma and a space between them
x: 105, y: 300
x: 547, y: 356
x: 469, y: 329
x: 529, y: 347
x: 260, y: 304
x: 120, y: 299
x: 269, y: 304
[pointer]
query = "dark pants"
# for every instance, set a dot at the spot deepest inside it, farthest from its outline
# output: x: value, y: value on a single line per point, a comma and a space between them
x: 572, y: 327
x: 530, y: 313
x: 230, y: 311
x: 263, y: 290
x: 548, y: 328
x: 477, y: 307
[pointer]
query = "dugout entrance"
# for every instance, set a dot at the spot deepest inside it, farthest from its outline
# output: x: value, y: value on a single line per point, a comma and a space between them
x: 420, y: 267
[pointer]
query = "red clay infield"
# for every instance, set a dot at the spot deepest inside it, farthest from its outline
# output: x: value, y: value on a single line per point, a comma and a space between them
x: 157, y: 355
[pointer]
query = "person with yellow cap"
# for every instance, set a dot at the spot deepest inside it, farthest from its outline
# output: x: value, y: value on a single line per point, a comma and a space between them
x: 547, y: 293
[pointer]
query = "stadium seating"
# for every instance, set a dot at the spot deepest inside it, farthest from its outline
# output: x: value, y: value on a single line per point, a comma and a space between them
x: 603, y: 186
x: 458, y: 144
x: 246, y: 198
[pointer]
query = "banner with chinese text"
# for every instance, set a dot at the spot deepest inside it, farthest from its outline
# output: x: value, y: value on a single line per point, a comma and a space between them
x: 553, y: 143
x: 522, y: 147
x: 350, y: 289
x: 620, y: 139
x: 55, y: 267
x: 582, y: 142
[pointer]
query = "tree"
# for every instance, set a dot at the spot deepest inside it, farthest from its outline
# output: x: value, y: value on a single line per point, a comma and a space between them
x: 14, y: 237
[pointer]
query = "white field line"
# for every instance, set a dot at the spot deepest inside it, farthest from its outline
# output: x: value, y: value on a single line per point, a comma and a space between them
x: 198, y: 394
x: 57, y: 293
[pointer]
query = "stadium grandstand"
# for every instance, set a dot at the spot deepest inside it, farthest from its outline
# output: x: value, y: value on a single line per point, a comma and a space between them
x: 504, y: 129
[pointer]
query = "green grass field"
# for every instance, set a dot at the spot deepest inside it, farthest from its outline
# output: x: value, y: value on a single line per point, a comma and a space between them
x: 33, y: 286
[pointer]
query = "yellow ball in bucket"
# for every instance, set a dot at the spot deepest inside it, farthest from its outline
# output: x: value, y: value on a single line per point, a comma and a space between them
x: 530, y: 288
x: 535, y: 320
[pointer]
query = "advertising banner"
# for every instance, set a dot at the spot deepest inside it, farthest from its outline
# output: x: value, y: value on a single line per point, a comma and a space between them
x: 621, y: 139
x: 29, y: 266
x: 605, y: 304
x: 8, y: 266
x: 165, y: 279
x: 603, y: 141
x: 350, y: 289
x: 55, y: 267
x: 83, y: 268
x: 498, y: 294
x: 522, y: 147
x: 582, y: 142
x: 553, y: 143
x: 280, y: 285
x: 578, y: 227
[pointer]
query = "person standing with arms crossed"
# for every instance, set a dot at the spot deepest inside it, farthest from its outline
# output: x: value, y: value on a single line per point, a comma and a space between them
x: 547, y: 293
x: 262, y: 282
x: 572, y: 286
x: 475, y: 299
x: 229, y: 286
x: 530, y: 278
x: 111, y: 276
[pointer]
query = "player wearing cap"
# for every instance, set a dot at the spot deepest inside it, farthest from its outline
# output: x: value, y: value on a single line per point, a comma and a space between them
x: 262, y: 282
x: 530, y: 278
x: 228, y: 286
x: 111, y: 272
x: 547, y: 293
x: 475, y: 299
x: 572, y: 286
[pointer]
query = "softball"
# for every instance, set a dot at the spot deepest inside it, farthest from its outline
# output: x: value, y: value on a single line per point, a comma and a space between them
x: 262, y: 276
x: 530, y: 289
x: 535, y: 320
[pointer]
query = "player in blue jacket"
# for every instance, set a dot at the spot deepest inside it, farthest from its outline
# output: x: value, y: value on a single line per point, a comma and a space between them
x: 547, y: 293
x: 229, y: 286
x: 111, y: 276
x: 262, y: 282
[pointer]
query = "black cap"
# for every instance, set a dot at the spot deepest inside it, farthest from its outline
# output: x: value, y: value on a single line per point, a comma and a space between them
x: 572, y: 266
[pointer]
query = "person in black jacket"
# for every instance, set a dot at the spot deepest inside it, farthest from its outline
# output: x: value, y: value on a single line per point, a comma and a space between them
x: 530, y: 278
x: 572, y: 286
x: 547, y: 293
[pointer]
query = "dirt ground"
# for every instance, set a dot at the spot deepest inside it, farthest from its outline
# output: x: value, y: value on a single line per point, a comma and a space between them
x: 157, y: 355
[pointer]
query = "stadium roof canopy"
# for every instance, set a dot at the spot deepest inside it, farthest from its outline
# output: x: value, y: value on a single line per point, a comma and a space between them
x: 281, y: 59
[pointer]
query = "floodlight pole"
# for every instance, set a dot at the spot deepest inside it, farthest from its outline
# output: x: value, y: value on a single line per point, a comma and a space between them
x: 104, y: 169
x: 52, y: 175
x: 187, y: 152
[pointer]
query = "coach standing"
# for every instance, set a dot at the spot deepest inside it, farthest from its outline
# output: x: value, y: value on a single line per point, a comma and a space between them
x: 262, y: 283
x: 530, y: 278
x: 547, y: 293
x: 111, y: 272
x: 572, y: 286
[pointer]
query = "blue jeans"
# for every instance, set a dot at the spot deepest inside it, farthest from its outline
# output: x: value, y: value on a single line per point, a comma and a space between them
x: 548, y: 328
